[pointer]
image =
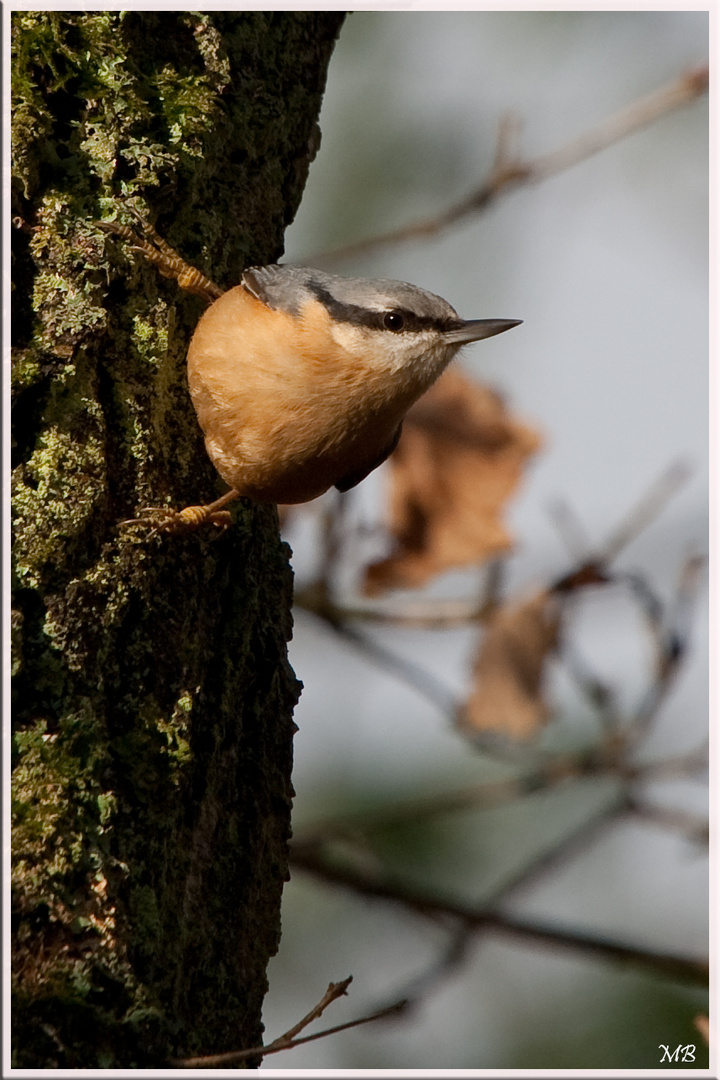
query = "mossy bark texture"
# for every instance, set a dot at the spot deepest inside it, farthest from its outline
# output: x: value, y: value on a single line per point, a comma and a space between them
x: 152, y: 694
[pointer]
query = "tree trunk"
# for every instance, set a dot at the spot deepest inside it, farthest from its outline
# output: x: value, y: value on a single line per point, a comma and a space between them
x: 153, y: 698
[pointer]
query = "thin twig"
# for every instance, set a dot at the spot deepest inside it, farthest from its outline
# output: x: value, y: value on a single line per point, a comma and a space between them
x: 558, y: 769
x: 694, y: 827
x: 574, y: 841
x: 289, y: 1040
x: 672, y: 639
x: 317, y: 598
x: 668, y: 964
x: 412, y: 674
x: 429, y: 905
x: 424, y: 615
x: 509, y: 171
x: 451, y: 958
x: 333, y: 992
x: 646, y: 510
x: 679, y: 765
x: 576, y: 540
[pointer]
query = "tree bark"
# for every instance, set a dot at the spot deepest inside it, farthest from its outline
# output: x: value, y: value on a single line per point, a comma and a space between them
x: 152, y: 699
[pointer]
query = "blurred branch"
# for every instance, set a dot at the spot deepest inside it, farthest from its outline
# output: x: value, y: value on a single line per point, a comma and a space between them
x: 510, y: 171
x: 608, y: 759
x: 670, y: 632
x: 493, y: 793
x: 672, y: 637
x: 678, y: 765
x: 451, y: 958
x: 317, y: 597
x: 290, y: 1039
x: 667, y: 964
x: 548, y: 858
x: 693, y: 827
x: 413, y: 675
x: 576, y: 540
x: 423, y: 615
x: 646, y: 510
x: 639, y: 114
x: 593, y: 568
x: 611, y: 759
x: 432, y: 906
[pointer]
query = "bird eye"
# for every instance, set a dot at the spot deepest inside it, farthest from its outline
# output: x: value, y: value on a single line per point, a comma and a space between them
x: 393, y: 320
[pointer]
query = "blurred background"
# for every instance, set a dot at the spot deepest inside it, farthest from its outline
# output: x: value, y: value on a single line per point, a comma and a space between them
x: 607, y: 264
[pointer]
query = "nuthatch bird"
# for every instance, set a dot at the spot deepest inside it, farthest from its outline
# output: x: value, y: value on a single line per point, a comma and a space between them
x: 301, y: 379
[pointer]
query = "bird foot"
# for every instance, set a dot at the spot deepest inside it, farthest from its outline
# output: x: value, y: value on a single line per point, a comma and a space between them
x: 167, y: 260
x: 164, y: 519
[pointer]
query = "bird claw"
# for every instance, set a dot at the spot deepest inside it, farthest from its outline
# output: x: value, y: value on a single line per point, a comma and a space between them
x: 176, y: 522
x: 167, y: 260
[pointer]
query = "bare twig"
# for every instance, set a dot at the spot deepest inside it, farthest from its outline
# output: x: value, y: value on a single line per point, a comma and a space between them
x: 668, y: 964
x: 558, y: 769
x: 509, y: 171
x: 575, y: 840
x: 576, y: 540
x: 672, y: 639
x: 333, y: 992
x: 412, y: 674
x: 679, y: 765
x: 693, y: 827
x: 290, y: 1039
x: 451, y: 958
x: 425, y: 615
x: 317, y: 597
x: 647, y: 509
x: 672, y: 966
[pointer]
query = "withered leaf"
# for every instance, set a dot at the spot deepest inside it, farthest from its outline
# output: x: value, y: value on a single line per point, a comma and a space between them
x: 459, y: 459
x: 507, y: 678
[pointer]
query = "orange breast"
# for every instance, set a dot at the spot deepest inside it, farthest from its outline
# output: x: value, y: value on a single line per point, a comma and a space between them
x: 285, y: 411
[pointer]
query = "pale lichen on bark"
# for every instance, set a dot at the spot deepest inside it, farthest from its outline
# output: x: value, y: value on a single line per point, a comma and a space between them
x: 152, y: 698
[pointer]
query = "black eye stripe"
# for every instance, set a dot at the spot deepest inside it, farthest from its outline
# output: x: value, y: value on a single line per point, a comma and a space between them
x: 376, y: 320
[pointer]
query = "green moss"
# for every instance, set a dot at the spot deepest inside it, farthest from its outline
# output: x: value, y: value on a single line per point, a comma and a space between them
x: 152, y: 694
x: 58, y: 834
x: 76, y: 312
x: 176, y: 733
x: 150, y: 340
x: 53, y: 499
x: 25, y: 371
x: 107, y: 806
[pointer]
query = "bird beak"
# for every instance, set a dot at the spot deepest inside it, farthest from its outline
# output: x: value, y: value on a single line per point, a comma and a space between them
x: 477, y: 329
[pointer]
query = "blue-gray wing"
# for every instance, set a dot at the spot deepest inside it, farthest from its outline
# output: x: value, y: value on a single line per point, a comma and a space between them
x: 352, y: 479
x: 282, y: 288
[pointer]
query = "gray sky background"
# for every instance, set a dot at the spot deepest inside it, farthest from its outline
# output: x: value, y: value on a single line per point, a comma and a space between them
x: 607, y: 264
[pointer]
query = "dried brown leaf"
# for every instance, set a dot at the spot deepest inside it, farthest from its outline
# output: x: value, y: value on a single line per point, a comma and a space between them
x: 702, y: 1023
x: 507, y: 687
x: 460, y: 458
